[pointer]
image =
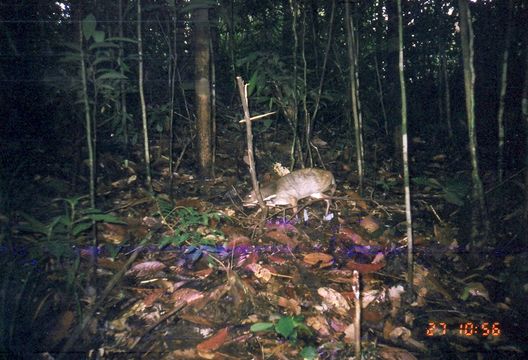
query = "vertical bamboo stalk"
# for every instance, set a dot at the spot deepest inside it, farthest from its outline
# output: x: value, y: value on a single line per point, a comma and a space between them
x: 405, y: 153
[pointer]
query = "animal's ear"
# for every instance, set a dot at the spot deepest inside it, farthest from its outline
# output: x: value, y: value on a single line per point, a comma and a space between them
x: 270, y: 197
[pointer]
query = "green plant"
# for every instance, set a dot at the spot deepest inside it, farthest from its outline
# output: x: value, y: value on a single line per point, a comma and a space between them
x: 454, y: 191
x: 61, y: 231
x: 30, y: 261
x: 190, y: 226
x: 105, y: 72
x: 309, y: 353
x: 387, y: 183
x: 288, y: 327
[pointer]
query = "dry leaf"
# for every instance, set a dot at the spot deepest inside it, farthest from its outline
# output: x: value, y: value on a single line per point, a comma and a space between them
x: 214, y: 342
x: 379, y: 258
x: 260, y: 272
x: 283, y: 238
x: 369, y: 223
x: 321, y: 259
x: 404, y: 334
x: 350, y: 334
x: 62, y: 327
x: 354, y: 196
x: 202, y: 274
x: 338, y: 325
x: 319, y: 324
x: 395, y: 298
x: 364, y: 268
x: 151, y: 298
x: 373, y: 314
x: 475, y: 289
x: 317, y: 141
x: 392, y: 353
x: 146, y: 268
x: 186, y: 295
x: 333, y: 300
x: 277, y: 259
x: 346, y: 233
x: 290, y: 304
x: 112, y: 233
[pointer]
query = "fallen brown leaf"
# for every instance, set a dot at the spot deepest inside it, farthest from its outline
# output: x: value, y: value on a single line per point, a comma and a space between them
x: 146, y: 268
x: 393, y: 353
x: 154, y: 295
x: 112, y: 233
x: 319, y: 324
x: 214, y: 342
x: 290, y: 304
x: 283, y: 238
x: 364, y: 268
x: 333, y: 300
x: 346, y: 233
x: 186, y: 295
x: 369, y: 223
x: 321, y: 259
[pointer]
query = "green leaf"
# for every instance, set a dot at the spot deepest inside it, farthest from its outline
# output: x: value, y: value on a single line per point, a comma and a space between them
x: 302, y: 328
x: 458, y: 186
x: 124, y: 39
x: 252, y: 83
x: 60, y: 220
x: 267, y: 124
x: 103, y: 217
x: 309, y: 353
x: 104, y: 44
x: 71, y: 45
x: 88, y: 26
x: 57, y: 249
x: 72, y: 201
x: 102, y: 59
x: 80, y: 228
x: 453, y: 198
x: 420, y: 180
x: 166, y: 240
x: 98, y: 36
x: 435, y: 183
x: 113, y: 250
x: 33, y: 225
x: 70, y: 58
x: 112, y: 75
x: 285, y: 326
x: 107, y: 87
x: 91, y: 210
x: 262, y: 326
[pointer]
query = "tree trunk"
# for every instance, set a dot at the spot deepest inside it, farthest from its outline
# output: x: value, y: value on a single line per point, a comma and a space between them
x: 524, y: 108
x: 466, y: 34
x: 502, y: 95
x: 391, y: 86
x: 144, y: 121
x: 354, y: 92
x: 202, y: 38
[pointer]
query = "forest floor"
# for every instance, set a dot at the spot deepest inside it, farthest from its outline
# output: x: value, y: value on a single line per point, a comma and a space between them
x: 189, y: 273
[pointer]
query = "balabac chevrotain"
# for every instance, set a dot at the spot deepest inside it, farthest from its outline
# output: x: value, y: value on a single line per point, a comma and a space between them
x: 300, y: 184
